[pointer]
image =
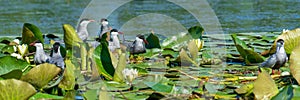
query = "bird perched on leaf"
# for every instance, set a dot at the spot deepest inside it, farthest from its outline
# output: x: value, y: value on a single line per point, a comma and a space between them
x: 104, y: 27
x: 278, y: 59
x: 40, y: 56
x: 137, y: 46
x: 56, y: 57
x: 114, y: 42
x: 82, y: 29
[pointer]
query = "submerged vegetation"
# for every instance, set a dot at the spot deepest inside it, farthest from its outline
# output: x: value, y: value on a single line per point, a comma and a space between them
x: 186, y: 66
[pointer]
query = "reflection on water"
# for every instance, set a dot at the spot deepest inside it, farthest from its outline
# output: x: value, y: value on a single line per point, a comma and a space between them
x: 234, y: 15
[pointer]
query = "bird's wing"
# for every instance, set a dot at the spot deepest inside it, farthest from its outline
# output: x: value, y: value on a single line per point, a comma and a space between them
x: 270, y: 62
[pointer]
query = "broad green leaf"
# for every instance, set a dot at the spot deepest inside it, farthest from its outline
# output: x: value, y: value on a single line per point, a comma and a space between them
x: 285, y: 94
x: 68, y: 81
x: 158, y: 87
x: 41, y: 75
x: 103, y: 94
x: 295, y: 63
x: 153, y: 41
x: 296, y: 93
x: 11, y: 67
x: 113, y: 58
x: 118, y: 76
x: 16, y: 74
x: 70, y: 37
x: 213, y: 88
x: 185, y: 59
x: 106, y: 59
x: 193, y: 49
x: 5, y: 40
x: 115, y: 86
x: 264, y: 86
x: 196, y: 32
x: 41, y: 96
x: 91, y: 94
x: 169, y: 52
x: 2, y: 46
x: 291, y: 40
x: 248, y: 54
x: 83, y: 55
x: 133, y: 95
x: 245, y: 88
x: 13, y: 89
x: 8, y: 49
x: 63, y: 51
x: 31, y: 33
x: 70, y: 95
x: 98, y: 59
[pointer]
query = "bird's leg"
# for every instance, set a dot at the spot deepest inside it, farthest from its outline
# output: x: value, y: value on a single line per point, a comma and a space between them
x: 272, y: 71
x: 278, y: 72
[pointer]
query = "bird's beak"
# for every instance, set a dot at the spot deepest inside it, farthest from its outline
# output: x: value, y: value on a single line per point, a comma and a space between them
x: 32, y: 44
x: 92, y: 21
x: 120, y: 32
x: 146, y: 42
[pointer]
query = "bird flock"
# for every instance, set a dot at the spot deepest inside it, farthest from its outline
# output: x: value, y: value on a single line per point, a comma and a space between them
x: 55, y: 57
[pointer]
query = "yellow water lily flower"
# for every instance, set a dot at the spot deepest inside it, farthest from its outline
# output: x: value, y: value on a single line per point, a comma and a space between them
x: 199, y: 43
x: 22, y: 49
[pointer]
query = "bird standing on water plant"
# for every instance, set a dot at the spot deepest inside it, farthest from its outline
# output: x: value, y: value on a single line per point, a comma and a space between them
x: 138, y: 46
x: 104, y: 27
x: 82, y: 29
x: 56, y: 57
x: 40, y: 56
x: 278, y: 59
x: 114, y: 42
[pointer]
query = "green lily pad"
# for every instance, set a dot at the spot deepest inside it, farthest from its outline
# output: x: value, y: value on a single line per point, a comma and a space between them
x: 196, y: 32
x: 248, y: 54
x: 11, y: 67
x: 285, y: 94
x: 91, y: 94
x: 264, y: 87
x: 107, y: 70
x: 40, y: 96
x: 70, y: 95
x: 13, y: 89
x: 8, y: 49
x: 245, y: 88
x: 31, y: 33
x: 169, y: 52
x: 118, y: 76
x: 132, y: 96
x: 213, y: 88
x: 296, y: 93
x: 68, y: 81
x: 295, y: 63
x: 71, y: 38
x: 158, y: 87
x: 2, y: 46
x: 103, y: 94
x: 116, y: 86
x: 153, y: 41
x: 41, y: 75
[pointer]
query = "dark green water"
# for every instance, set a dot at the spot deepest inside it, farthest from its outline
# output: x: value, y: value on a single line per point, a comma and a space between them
x: 234, y: 15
